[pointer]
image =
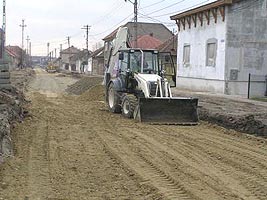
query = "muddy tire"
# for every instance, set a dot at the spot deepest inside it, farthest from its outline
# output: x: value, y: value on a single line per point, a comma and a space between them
x: 113, y: 99
x: 129, y: 103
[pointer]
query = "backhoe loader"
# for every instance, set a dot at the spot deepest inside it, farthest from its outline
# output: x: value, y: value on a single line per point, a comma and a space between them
x: 136, y: 86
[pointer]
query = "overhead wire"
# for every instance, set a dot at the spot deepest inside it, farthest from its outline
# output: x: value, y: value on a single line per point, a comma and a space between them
x: 112, y: 26
x: 153, y: 4
x: 164, y: 8
x: 181, y: 10
x: 112, y: 10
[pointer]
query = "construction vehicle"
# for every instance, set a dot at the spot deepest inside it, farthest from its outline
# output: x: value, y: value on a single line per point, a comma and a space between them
x: 136, y: 86
x: 51, y: 68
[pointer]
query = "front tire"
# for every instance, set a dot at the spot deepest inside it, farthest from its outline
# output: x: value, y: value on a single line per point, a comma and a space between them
x: 129, y: 103
x: 113, y: 99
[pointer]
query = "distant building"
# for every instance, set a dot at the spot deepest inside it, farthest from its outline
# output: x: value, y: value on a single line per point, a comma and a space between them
x: 66, y: 55
x: 220, y: 43
x: 14, y: 55
x: 155, y: 33
x: 79, y: 61
x: 96, y: 62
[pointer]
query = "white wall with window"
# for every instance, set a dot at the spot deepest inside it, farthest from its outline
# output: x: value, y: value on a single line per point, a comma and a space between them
x: 201, y: 57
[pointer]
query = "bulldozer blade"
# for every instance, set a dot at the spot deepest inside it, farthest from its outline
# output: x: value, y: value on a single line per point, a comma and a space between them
x: 180, y: 111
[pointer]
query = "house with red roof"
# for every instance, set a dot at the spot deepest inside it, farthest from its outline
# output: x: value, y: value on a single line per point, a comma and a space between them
x: 149, y: 36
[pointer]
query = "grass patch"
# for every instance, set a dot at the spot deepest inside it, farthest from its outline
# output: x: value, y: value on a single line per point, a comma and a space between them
x: 263, y: 99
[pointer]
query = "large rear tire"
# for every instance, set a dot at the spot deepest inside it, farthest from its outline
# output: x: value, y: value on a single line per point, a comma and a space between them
x: 129, y: 103
x: 113, y: 99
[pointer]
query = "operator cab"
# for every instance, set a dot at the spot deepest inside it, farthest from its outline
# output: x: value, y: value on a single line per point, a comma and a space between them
x: 138, y: 61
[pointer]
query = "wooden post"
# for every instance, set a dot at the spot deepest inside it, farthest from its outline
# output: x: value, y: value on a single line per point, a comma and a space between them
x: 249, y: 77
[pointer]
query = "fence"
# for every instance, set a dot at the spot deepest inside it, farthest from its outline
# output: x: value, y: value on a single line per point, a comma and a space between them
x: 257, y: 85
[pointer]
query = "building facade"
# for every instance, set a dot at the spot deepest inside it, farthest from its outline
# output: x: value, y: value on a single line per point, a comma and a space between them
x: 220, y: 44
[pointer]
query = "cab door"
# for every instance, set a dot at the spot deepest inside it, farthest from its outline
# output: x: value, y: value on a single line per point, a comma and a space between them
x: 166, y: 63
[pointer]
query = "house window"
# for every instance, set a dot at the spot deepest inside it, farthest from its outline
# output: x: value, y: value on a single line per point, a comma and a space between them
x: 186, y: 57
x: 211, y: 52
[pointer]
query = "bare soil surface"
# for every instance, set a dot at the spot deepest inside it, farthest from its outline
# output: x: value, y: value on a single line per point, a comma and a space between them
x: 73, y: 148
x: 232, y: 112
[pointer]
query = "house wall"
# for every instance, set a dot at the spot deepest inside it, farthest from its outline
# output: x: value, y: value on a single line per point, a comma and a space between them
x: 196, y: 75
x: 98, y: 66
x: 246, y: 45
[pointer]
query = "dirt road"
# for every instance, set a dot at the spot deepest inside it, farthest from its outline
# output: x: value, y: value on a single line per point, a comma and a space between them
x: 73, y: 148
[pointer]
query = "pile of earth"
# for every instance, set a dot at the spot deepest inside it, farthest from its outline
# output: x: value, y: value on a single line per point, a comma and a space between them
x: 20, y: 78
x: 12, y: 109
x: 236, y: 114
x: 95, y: 93
x: 84, y: 84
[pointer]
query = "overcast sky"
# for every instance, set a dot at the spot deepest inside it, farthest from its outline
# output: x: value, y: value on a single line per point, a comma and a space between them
x: 53, y: 20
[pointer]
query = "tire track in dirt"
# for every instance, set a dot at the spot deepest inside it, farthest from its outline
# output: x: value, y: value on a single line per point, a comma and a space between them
x: 98, y: 153
x: 142, y: 164
x: 236, y: 155
x: 199, y: 173
x: 237, y: 183
x: 38, y: 184
x: 232, y: 141
x: 230, y: 167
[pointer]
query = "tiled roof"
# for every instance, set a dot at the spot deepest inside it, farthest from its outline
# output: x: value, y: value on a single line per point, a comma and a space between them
x: 148, y: 42
x: 169, y: 46
x: 15, y: 50
x: 97, y: 52
x: 158, y: 30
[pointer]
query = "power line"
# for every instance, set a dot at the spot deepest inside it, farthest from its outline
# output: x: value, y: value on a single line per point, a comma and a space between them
x: 153, y: 4
x: 166, y: 7
x: 156, y: 20
x: 182, y: 10
x: 112, y: 10
x: 112, y: 26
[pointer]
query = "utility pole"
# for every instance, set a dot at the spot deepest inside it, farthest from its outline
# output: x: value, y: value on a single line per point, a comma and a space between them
x: 60, y: 50
x: 30, y: 54
x: 68, y: 38
x: 4, y: 16
x: 3, y: 34
x: 135, y: 20
x: 27, y: 50
x: 48, y: 55
x: 55, y: 52
x: 87, y: 28
x: 22, y: 40
x: 28, y: 39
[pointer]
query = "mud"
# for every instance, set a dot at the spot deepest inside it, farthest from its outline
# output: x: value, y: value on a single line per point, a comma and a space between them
x: 73, y: 148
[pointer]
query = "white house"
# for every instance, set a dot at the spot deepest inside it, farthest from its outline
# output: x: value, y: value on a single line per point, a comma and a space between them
x: 220, y: 43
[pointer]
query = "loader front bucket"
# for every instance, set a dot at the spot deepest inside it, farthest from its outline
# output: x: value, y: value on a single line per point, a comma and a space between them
x: 182, y: 111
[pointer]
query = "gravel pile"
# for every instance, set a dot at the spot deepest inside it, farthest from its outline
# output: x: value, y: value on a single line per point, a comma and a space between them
x: 83, y: 85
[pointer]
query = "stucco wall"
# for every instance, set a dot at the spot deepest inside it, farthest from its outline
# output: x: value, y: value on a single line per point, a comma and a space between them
x: 246, y: 45
x: 198, y: 76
